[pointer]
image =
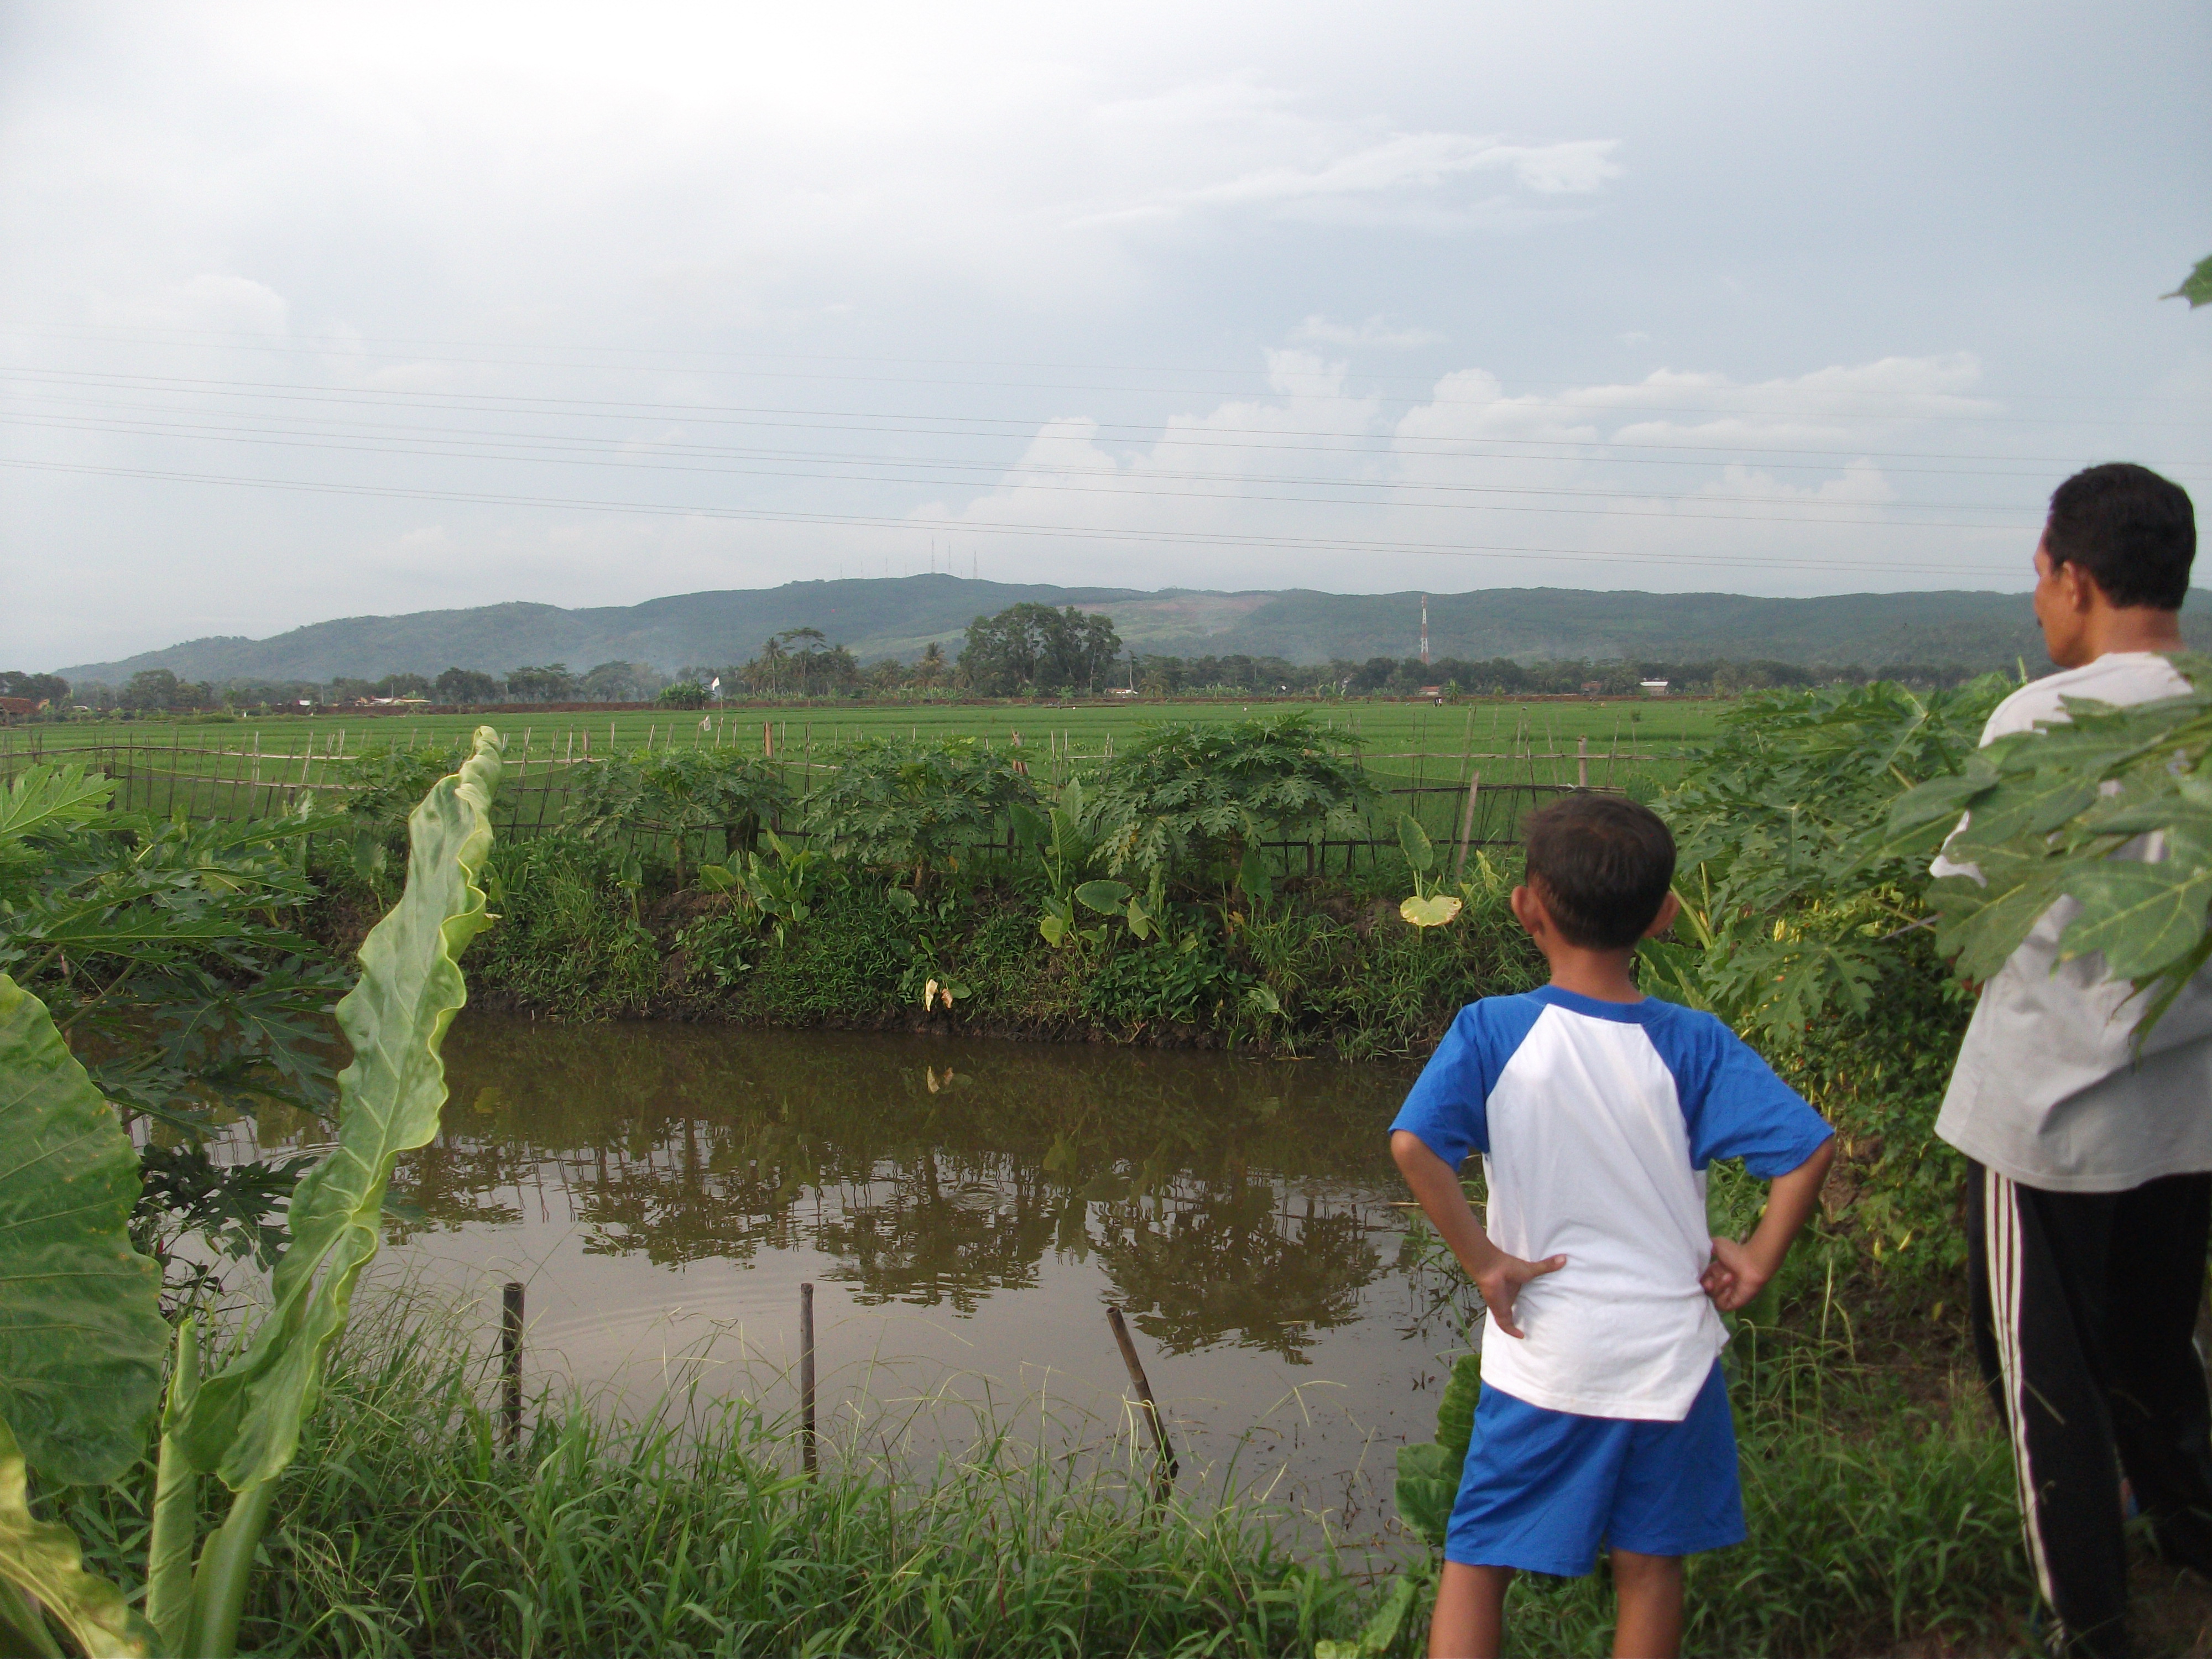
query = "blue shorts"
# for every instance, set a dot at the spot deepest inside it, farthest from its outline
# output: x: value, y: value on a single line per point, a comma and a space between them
x: 1542, y: 1490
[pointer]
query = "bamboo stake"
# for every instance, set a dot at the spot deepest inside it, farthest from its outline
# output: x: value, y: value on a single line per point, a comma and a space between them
x: 1164, y: 1454
x: 510, y: 1364
x: 1466, y: 827
x: 806, y: 1436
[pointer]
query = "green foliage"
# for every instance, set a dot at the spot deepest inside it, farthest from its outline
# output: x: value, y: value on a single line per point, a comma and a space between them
x: 1184, y: 803
x: 569, y: 941
x: 684, y: 694
x: 913, y: 807
x: 2046, y: 811
x: 1797, y: 898
x: 379, y: 787
x: 679, y: 793
x: 42, y: 1559
x: 1029, y: 646
x: 81, y: 1337
x: 1429, y: 1473
x: 2196, y: 287
x: 778, y: 892
x: 847, y: 964
x: 166, y: 951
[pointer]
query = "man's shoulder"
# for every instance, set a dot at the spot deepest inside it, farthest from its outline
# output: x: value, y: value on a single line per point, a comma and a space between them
x: 2119, y: 678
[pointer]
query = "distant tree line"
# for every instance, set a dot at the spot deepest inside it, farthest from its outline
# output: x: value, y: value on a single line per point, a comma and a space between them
x: 1026, y: 650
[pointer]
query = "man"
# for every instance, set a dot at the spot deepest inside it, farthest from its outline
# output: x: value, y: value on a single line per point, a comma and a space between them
x: 2090, y: 1198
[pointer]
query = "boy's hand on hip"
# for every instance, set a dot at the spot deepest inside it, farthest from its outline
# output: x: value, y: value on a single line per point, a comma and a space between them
x: 1734, y: 1276
x: 1501, y: 1281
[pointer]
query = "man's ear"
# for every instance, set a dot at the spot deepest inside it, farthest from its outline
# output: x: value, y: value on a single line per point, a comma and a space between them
x: 1669, y: 908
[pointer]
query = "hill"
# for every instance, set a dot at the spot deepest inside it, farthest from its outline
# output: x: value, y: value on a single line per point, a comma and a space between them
x: 896, y: 617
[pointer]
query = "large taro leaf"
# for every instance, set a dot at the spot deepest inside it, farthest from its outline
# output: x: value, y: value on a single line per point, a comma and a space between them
x: 244, y: 1423
x: 41, y: 1559
x: 81, y: 1336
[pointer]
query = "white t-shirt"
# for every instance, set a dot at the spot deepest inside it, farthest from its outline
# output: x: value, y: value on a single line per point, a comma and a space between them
x: 2048, y: 1090
x: 1596, y: 1121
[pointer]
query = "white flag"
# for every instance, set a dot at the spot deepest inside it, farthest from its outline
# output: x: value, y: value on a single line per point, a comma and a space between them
x: 717, y: 685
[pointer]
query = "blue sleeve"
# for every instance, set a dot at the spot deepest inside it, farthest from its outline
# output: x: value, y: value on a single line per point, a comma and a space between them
x: 1448, y: 1108
x: 1733, y: 1102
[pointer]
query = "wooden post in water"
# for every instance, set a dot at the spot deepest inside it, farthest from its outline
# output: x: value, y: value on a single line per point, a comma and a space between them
x: 1465, y: 826
x: 510, y: 1365
x: 806, y: 1376
x: 1162, y: 1452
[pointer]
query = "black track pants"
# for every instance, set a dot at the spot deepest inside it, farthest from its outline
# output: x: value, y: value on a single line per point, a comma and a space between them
x: 2084, y: 1305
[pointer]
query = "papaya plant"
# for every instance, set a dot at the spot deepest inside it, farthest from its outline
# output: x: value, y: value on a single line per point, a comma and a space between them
x: 78, y: 1391
x: 2038, y: 816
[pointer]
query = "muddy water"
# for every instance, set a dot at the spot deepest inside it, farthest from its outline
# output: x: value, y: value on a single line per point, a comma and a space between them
x: 967, y: 1210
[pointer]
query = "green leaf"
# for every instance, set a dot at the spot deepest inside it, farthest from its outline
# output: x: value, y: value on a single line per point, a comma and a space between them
x: 1252, y: 876
x: 1426, y: 1487
x: 47, y: 797
x: 1433, y: 911
x: 2142, y: 916
x: 1415, y: 841
x: 1104, y: 897
x: 2196, y: 287
x: 81, y: 1336
x: 244, y: 1423
x: 1455, y: 1410
x: 42, y: 1559
x: 1985, y: 922
x: 1380, y: 1633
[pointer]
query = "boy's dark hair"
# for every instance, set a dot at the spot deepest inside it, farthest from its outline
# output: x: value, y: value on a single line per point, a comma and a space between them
x: 2132, y: 531
x: 1603, y: 863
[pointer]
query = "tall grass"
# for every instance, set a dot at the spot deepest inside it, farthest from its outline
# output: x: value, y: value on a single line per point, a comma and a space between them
x: 1875, y: 1518
x: 404, y: 1529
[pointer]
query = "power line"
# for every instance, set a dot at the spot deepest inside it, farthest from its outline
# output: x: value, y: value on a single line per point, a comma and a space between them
x: 1037, y: 481
x: 771, y: 415
x: 363, y: 347
x: 1226, y: 538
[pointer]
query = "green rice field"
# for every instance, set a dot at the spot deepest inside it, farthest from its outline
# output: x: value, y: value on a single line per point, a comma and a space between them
x: 1425, y: 756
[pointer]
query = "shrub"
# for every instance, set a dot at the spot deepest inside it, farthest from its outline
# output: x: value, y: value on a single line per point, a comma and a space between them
x: 916, y: 808
x: 1187, y: 803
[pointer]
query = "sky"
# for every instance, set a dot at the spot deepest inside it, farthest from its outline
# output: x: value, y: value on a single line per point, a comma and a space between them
x: 310, y: 311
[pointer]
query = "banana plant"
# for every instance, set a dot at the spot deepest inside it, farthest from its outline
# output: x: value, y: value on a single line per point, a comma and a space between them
x: 80, y: 1375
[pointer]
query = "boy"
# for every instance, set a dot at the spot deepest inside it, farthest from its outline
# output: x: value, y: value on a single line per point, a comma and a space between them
x: 1603, y: 1416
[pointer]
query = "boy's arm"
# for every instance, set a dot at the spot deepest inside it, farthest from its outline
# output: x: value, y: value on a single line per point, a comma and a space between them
x: 1737, y: 1271
x: 1498, y: 1276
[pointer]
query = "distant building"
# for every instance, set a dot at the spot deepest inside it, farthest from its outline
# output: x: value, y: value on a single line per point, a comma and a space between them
x: 1656, y: 688
x: 19, y: 708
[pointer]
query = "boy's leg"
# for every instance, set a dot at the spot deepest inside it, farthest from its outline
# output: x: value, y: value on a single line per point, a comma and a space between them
x: 1470, y: 1616
x: 2037, y: 1262
x: 1650, y: 1589
x: 2161, y: 1418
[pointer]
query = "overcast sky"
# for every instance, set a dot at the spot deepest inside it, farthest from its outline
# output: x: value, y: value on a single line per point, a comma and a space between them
x: 312, y: 311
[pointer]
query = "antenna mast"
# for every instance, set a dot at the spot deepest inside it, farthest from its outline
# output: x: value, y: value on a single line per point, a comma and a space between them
x: 1425, y: 631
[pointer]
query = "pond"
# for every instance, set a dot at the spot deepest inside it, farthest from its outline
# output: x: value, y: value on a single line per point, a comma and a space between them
x: 967, y: 1210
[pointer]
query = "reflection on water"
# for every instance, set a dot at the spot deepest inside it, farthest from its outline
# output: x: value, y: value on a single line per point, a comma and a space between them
x: 1218, y: 1202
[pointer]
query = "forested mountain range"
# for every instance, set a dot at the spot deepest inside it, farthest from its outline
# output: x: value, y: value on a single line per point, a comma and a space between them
x: 876, y: 617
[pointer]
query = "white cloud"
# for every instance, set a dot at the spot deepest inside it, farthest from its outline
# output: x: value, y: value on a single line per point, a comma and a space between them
x: 1317, y: 329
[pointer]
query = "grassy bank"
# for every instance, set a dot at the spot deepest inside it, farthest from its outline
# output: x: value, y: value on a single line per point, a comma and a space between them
x: 1880, y: 1508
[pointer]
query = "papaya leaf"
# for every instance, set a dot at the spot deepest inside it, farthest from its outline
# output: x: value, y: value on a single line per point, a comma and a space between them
x: 2142, y: 916
x: 81, y: 1336
x: 2196, y: 287
x: 42, y: 1559
x: 48, y: 797
x: 1984, y: 922
x: 244, y: 1423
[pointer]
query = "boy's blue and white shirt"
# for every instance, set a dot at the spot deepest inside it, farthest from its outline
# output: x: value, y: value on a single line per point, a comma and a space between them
x: 1595, y: 1121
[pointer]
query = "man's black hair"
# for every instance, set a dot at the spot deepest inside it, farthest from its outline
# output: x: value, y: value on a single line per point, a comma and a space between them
x: 1603, y: 863
x: 2132, y: 531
